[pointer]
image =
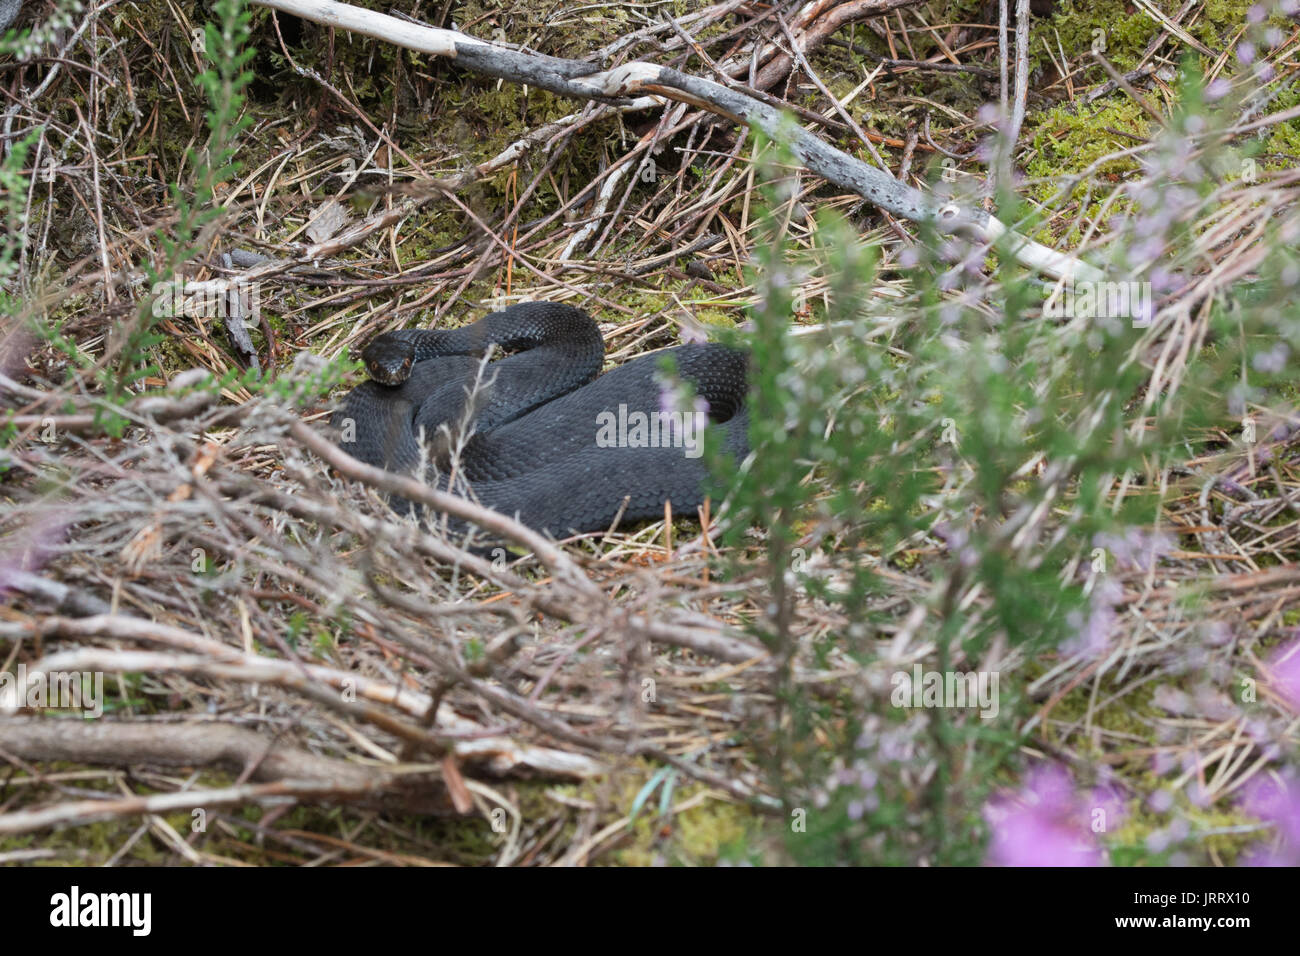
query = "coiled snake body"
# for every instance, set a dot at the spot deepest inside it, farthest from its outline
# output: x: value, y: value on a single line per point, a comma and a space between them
x: 548, y: 437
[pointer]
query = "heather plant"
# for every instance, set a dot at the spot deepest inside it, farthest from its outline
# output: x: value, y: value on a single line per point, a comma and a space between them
x: 1020, y: 446
x: 226, y: 46
x: 28, y: 42
x: 131, y: 353
x: 12, y: 189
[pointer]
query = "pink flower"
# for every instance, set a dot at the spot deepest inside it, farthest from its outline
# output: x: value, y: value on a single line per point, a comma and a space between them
x: 1276, y: 799
x: 1135, y: 548
x: 1091, y: 628
x: 1285, y: 672
x: 1045, y: 824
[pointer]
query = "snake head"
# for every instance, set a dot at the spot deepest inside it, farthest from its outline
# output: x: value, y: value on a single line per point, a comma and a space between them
x: 389, y: 359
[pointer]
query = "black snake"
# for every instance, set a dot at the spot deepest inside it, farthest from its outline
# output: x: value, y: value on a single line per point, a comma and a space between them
x: 550, y: 440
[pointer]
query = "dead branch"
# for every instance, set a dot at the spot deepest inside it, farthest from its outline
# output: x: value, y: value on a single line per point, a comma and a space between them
x: 286, y: 772
x: 219, y: 662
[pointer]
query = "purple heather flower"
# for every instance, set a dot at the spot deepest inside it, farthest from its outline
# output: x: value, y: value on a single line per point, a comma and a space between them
x: 1161, y: 279
x: 1144, y: 314
x: 896, y: 745
x: 1162, y: 801
x: 1218, y: 89
x: 692, y: 335
x: 1092, y: 627
x: 1273, y: 361
x: 1135, y: 548
x: 1246, y: 52
x: 1285, y: 672
x: 670, y: 401
x: 1148, y: 250
x: 1151, y: 225
x: 1264, y: 856
x: 1216, y: 633
x: 1161, y: 764
x: 1180, y: 199
x: 1258, y: 731
x: 1211, y: 702
x: 1255, y: 13
x: 1158, y: 841
x: 1161, y: 840
x: 1045, y: 824
x: 1276, y: 799
x: 667, y: 398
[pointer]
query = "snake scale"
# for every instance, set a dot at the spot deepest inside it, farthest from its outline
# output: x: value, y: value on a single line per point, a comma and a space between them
x: 541, y: 435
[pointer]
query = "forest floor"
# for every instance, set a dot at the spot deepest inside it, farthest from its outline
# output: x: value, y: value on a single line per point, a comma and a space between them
x: 362, y: 693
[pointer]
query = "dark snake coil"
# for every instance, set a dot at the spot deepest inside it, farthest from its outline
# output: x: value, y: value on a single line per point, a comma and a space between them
x: 551, y: 441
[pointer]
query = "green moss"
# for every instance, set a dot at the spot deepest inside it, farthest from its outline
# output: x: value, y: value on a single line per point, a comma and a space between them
x: 1080, y: 23
x: 710, y: 831
x: 1067, y: 139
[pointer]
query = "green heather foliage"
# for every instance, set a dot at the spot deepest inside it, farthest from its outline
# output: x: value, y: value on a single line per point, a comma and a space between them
x: 13, y: 187
x: 132, y: 350
x: 905, y: 419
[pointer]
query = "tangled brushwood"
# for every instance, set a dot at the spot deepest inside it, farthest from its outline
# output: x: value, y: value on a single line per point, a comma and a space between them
x: 1008, y: 576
